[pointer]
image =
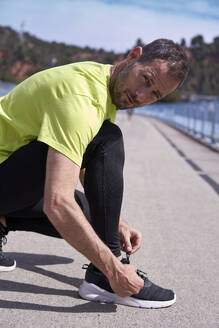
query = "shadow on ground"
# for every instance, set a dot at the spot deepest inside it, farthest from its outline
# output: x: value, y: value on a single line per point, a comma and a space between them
x: 30, y: 262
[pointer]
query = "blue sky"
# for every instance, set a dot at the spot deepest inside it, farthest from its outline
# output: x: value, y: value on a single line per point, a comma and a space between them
x: 112, y: 24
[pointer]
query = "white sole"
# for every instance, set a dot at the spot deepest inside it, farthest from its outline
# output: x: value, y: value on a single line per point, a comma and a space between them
x: 92, y: 292
x: 5, y: 269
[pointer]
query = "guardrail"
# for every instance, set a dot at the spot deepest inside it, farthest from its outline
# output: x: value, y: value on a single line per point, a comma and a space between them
x: 199, y: 119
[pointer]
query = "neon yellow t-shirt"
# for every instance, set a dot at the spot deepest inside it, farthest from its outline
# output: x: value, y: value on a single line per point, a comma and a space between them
x: 63, y: 107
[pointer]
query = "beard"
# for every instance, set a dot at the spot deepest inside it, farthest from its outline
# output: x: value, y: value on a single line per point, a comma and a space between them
x: 119, y: 101
x: 119, y: 89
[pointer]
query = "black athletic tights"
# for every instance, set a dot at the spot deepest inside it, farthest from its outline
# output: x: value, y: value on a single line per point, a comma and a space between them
x: 22, y: 179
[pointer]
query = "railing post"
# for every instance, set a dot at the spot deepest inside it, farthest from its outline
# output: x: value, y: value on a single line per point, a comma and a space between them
x: 174, y: 115
x: 187, y: 114
x: 213, y: 110
x: 203, y: 121
x: 184, y: 117
x: 195, y: 110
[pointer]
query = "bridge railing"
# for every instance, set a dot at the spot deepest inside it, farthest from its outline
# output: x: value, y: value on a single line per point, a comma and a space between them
x: 199, y: 119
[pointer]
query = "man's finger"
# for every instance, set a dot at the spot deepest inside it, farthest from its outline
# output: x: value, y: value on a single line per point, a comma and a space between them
x: 136, y: 244
x: 128, y: 245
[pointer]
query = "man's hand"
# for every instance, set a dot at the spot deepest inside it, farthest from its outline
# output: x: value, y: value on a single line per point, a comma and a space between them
x: 125, y: 281
x: 130, y: 239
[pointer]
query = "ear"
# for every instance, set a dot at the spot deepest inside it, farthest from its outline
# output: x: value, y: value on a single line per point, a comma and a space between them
x: 135, y: 53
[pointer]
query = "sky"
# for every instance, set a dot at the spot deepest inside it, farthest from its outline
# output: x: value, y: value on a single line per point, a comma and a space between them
x: 112, y: 24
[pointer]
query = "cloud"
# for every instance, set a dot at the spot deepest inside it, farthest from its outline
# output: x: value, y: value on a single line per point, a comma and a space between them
x: 98, y: 23
x: 197, y: 8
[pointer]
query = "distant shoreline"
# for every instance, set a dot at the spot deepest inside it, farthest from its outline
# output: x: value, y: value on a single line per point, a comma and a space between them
x: 6, y: 87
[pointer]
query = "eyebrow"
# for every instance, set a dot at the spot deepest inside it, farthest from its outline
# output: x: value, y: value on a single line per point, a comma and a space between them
x: 150, y: 78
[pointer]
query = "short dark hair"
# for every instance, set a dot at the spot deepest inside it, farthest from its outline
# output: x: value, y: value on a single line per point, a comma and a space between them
x: 170, y: 51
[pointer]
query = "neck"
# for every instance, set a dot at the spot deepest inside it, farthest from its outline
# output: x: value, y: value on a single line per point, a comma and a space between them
x: 114, y: 71
x: 112, y: 77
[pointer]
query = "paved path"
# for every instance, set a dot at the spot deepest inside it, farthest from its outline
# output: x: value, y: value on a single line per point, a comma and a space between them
x: 177, y: 210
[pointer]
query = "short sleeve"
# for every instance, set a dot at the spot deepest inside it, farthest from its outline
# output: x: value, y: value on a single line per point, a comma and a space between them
x: 69, y: 124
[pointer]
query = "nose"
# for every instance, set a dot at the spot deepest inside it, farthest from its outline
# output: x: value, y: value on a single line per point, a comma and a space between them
x: 142, y: 94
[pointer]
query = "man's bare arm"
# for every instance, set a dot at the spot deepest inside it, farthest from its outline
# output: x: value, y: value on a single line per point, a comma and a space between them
x: 63, y: 211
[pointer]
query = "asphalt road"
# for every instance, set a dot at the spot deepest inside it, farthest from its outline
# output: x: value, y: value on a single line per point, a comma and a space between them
x: 171, y: 195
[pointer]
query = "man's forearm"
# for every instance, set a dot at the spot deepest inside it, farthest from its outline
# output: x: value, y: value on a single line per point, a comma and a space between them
x: 71, y: 223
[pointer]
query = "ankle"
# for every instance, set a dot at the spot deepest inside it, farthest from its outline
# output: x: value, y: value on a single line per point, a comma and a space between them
x: 3, y: 221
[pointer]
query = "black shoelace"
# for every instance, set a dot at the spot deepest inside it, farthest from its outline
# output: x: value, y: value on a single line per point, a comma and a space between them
x: 141, y: 274
x: 3, y: 241
x: 85, y: 266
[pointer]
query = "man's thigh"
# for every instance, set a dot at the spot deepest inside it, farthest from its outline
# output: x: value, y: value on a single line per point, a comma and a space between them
x: 22, y: 177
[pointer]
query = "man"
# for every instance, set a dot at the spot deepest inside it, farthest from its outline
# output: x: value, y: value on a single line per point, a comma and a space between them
x: 58, y: 125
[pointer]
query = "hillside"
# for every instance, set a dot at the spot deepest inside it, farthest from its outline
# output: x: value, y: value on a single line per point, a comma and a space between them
x: 22, y: 54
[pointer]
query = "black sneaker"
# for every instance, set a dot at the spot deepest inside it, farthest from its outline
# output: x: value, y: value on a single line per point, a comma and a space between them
x: 6, y: 264
x: 96, y: 287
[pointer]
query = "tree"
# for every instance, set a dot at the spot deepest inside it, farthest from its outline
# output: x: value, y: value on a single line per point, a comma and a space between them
x: 139, y: 43
x: 216, y: 45
x: 197, y: 41
x: 183, y: 43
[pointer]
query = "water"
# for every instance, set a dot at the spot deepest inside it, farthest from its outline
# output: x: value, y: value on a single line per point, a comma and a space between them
x: 5, y: 88
x: 200, y: 118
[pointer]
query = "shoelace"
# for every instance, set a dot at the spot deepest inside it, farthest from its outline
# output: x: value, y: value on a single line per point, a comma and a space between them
x: 140, y: 273
x: 143, y: 275
x: 85, y: 266
x: 3, y: 241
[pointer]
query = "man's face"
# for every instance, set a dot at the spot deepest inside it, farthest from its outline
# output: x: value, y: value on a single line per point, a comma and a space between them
x: 140, y: 84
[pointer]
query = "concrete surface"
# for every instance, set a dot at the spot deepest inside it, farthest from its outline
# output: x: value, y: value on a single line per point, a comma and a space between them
x: 177, y: 211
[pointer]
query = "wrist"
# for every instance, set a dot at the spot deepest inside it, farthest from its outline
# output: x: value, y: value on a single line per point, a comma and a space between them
x: 114, y: 268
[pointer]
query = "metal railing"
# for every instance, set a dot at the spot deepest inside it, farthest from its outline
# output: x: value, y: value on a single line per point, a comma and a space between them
x: 199, y: 119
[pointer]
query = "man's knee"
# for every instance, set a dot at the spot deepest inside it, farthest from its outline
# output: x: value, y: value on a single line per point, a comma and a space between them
x: 109, y: 135
x: 109, y: 128
x: 108, y: 140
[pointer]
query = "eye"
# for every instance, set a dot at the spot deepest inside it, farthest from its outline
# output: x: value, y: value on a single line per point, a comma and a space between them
x: 155, y: 95
x: 148, y: 82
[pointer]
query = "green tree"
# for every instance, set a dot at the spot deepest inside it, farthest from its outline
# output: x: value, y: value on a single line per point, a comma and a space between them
x: 183, y: 43
x: 139, y: 43
x: 197, y: 41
